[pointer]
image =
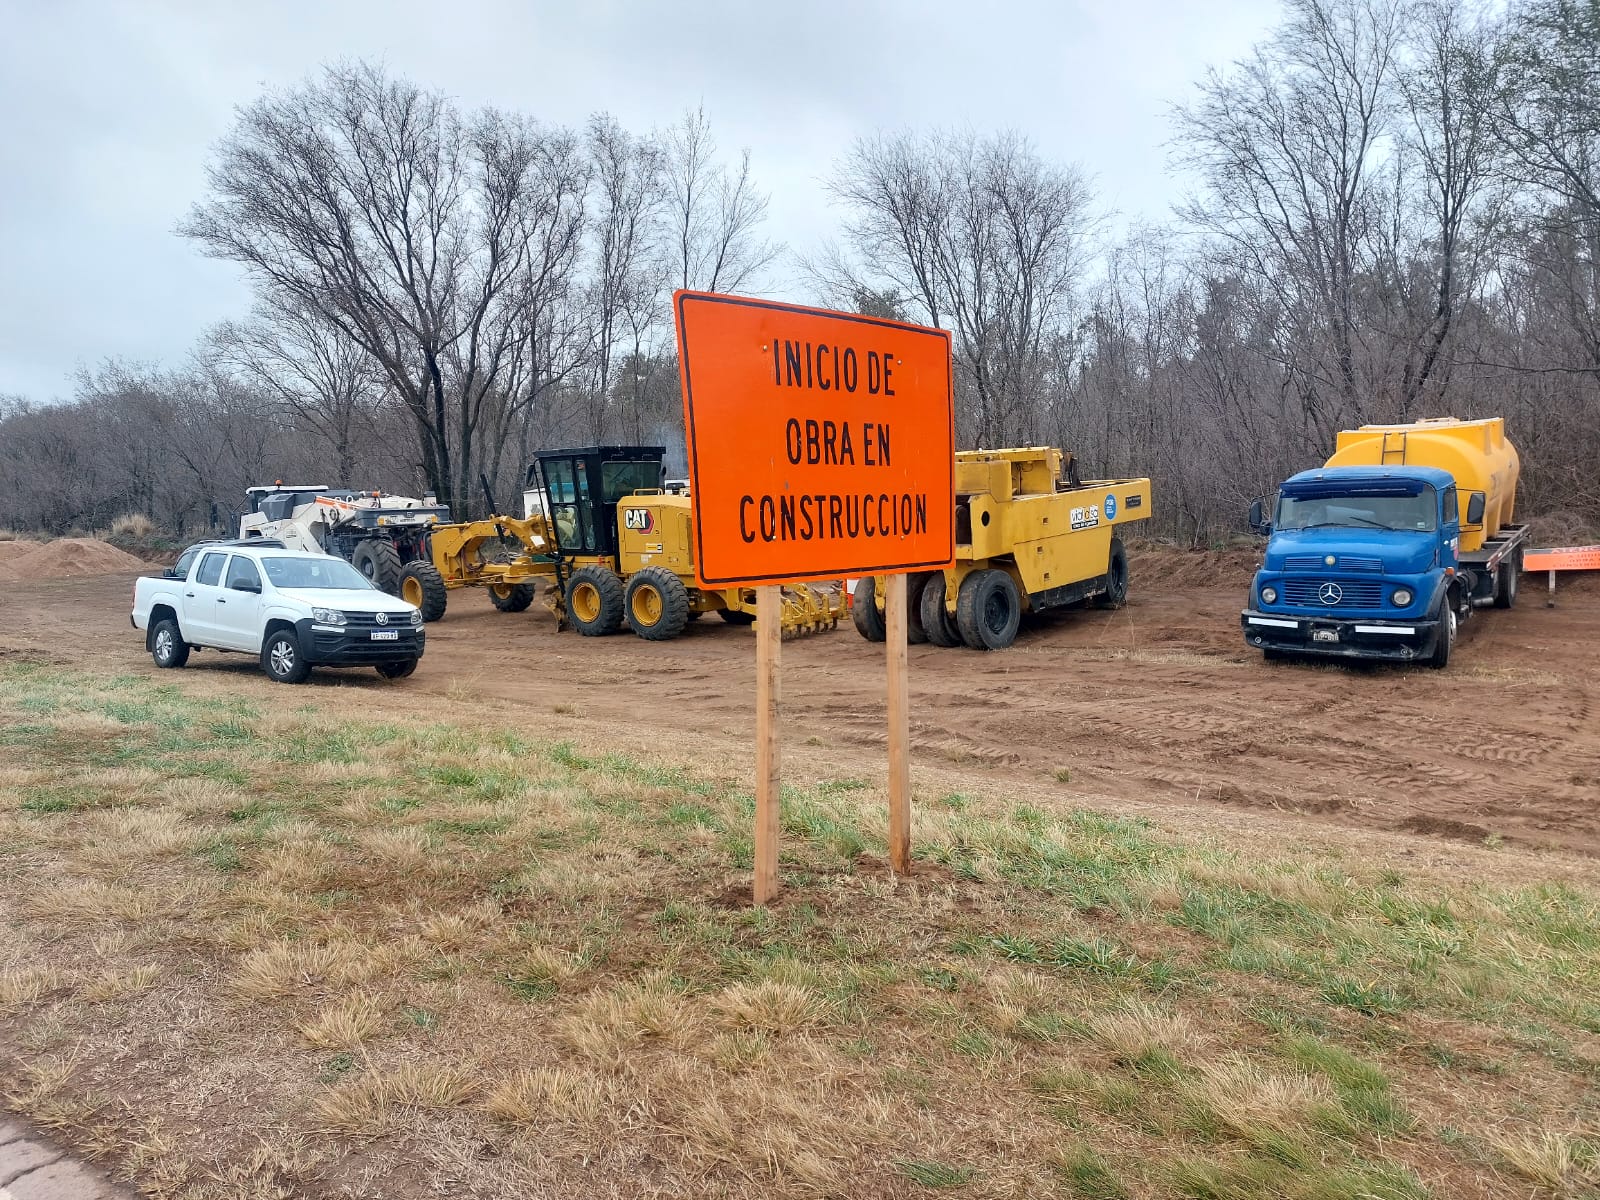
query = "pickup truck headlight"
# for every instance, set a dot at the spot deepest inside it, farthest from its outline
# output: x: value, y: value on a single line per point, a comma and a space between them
x: 1402, y: 597
x: 416, y: 617
x: 1269, y: 595
x: 327, y: 616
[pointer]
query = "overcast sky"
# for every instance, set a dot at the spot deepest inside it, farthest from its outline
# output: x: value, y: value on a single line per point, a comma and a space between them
x: 111, y: 109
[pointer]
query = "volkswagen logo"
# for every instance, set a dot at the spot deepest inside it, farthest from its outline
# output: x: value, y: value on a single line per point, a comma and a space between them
x: 383, y: 618
x: 1330, y: 593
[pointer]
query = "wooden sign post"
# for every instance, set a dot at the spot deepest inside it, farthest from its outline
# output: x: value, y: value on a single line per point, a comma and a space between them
x: 821, y: 445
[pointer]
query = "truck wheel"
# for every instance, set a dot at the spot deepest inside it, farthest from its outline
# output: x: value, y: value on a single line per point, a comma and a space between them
x: 1505, y: 581
x: 281, y: 658
x: 380, y: 563
x: 397, y: 670
x: 916, y: 634
x: 657, y: 604
x: 167, y: 646
x: 1116, y: 593
x: 511, y: 597
x: 422, y: 585
x: 864, y: 611
x: 988, y: 610
x: 1440, y: 658
x: 937, y: 622
x: 594, y: 601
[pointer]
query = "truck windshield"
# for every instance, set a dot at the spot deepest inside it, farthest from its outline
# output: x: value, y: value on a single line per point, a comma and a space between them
x: 321, y: 572
x: 1362, y: 511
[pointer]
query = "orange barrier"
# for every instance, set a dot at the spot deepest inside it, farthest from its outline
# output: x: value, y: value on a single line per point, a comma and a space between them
x: 1561, y: 558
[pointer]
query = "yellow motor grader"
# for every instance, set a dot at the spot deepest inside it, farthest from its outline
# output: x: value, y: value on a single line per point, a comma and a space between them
x: 615, y: 547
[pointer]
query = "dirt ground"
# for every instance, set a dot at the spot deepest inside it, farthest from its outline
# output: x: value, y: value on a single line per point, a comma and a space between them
x: 1157, y: 704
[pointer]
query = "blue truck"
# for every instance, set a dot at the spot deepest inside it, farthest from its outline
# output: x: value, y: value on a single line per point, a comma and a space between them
x: 1385, y: 559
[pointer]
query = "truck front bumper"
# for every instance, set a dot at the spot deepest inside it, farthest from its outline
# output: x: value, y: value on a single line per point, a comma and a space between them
x: 1400, y: 641
x: 325, y: 646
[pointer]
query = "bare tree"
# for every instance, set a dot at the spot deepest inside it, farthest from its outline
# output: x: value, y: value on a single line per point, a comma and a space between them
x: 713, y: 215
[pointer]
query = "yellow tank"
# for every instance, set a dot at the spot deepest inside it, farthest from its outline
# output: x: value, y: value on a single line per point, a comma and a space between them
x: 1476, y: 453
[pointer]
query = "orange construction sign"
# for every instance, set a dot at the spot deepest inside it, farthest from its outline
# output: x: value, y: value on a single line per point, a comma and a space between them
x: 821, y: 444
x: 1562, y: 558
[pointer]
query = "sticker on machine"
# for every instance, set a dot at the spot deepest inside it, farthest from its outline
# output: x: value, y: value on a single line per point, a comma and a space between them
x: 640, y: 520
x: 1087, y: 517
x: 1111, y: 506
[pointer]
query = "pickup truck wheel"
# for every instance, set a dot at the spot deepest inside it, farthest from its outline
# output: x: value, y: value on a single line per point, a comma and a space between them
x: 397, y: 670
x: 281, y: 658
x: 1440, y: 658
x: 1116, y: 593
x: 167, y: 646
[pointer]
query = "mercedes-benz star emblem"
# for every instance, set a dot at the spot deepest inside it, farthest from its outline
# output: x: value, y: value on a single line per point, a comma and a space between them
x: 1330, y: 593
x: 383, y: 618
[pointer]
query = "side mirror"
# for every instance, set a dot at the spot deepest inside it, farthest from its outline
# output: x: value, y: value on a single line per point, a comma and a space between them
x: 1258, y: 522
x: 1475, y: 505
x: 247, y: 586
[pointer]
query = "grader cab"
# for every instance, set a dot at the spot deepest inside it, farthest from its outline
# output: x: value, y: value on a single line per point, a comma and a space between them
x: 616, y: 547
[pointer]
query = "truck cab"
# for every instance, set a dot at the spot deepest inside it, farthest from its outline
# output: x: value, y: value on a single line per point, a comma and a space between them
x: 1361, y: 562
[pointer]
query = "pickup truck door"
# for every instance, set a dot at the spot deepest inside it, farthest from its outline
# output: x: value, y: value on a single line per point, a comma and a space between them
x: 199, y: 597
x: 238, y: 613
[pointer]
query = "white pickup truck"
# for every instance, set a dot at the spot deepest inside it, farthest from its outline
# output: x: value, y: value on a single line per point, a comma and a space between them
x: 292, y: 609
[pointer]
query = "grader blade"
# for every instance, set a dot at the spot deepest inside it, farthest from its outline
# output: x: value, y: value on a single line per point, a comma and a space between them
x: 812, y: 608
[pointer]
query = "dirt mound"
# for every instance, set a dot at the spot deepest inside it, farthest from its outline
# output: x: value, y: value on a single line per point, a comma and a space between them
x: 64, y: 557
x: 1171, y: 567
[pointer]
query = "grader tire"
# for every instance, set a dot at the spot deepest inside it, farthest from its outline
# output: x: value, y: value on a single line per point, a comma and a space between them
x: 734, y: 616
x: 511, y: 597
x: 379, y: 561
x: 864, y: 611
x: 595, y: 601
x: 657, y: 604
x: 937, y: 622
x: 988, y: 610
x: 916, y: 634
x: 422, y: 585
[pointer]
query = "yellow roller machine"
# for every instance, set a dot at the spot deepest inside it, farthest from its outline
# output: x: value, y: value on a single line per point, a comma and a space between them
x: 1029, y: 537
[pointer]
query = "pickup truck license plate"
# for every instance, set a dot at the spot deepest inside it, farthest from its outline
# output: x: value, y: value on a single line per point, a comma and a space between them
x: 1317, y: 635
x: 386, y: 635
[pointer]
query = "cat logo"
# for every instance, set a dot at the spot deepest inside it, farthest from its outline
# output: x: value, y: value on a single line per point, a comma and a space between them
x: 639, y: 520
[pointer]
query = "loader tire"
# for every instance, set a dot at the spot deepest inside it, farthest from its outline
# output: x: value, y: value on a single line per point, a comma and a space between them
x: 657, y: 604
x: 511, y: 597
x: 988, y: 610
x: 937, y: 622
x: 864, y: 611
x: 595, y: 602
x: 916, y: 635
x: 422, y: 585
x: 736, y: 616
x: 1116, y: 593
x: 380, y: 562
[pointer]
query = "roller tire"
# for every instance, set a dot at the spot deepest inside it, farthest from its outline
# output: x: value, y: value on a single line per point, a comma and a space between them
x: 1116, y: 593
x: 595, y: 601
x: 511, y: 597
x: 916, y: 634
x: 937, y: 622
x: 988, y: 610
x: 167, y: 647
x: 380, y: 562
x: 657, y: 604
x: 866, y: 614
x: 422, y: 585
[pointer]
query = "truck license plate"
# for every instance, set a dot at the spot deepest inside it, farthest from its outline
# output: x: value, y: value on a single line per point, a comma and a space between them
x: 1317, y: 635
x: 386, y: 635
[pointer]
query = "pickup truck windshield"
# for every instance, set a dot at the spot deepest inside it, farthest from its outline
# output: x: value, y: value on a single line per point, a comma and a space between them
x: 1362, y: 512
x: 314, y: 573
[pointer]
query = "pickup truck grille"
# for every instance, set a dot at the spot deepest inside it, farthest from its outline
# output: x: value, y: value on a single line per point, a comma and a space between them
x: 1313, y: 562
x: 1353, y: 593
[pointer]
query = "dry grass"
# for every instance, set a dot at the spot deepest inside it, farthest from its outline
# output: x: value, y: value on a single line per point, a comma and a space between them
x: 132, y: 525
x: 259, y: 944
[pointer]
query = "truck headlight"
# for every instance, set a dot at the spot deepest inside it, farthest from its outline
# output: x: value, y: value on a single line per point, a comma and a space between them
x: 327, y: 616
x: 1402, y: 597
x: 1269, y: 595
x: 416, y: 616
